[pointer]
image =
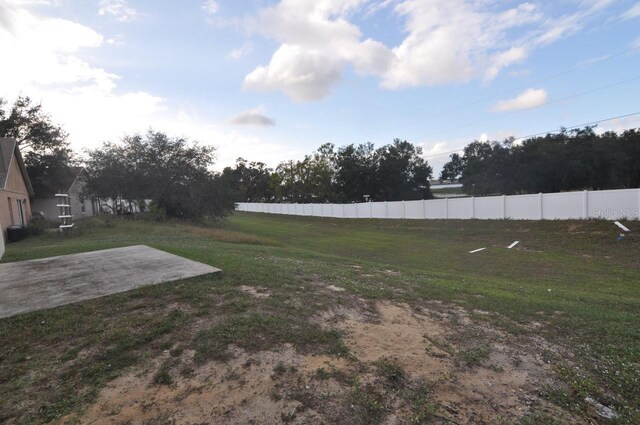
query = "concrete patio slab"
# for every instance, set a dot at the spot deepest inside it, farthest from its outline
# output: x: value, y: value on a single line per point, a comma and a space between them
x: 49, y: 282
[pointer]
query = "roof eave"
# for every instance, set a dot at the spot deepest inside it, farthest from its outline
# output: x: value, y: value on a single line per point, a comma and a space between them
x: 23, y: 170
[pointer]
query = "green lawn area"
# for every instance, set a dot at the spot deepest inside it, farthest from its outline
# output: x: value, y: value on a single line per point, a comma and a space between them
x: 448, y: 190
x: 569, y: 284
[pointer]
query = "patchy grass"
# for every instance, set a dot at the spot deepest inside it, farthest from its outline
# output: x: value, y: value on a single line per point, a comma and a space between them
x: 475, y: 355
x: 570, y: 283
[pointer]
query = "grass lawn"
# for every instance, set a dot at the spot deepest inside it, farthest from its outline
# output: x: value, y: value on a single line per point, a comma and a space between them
x: 447, y: 190
x: 305, y: 304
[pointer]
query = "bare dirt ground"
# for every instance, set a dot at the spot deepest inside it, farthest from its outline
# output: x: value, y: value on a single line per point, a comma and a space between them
x: 408, y: 365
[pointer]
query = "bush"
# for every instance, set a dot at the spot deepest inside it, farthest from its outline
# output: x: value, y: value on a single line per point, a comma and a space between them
x: 156, y: 212
x: 37, y: 225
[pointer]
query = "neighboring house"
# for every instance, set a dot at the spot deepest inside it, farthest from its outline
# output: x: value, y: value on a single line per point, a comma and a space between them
x: 73, y: 186
x: 15, y: 187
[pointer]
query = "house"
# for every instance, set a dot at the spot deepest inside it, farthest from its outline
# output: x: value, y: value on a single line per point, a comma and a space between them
x: 15, y: 187
x: 73, y: 186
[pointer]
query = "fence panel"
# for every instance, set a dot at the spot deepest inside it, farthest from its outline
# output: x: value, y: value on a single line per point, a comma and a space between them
x: 350, y: 211
x: 435, y: 208
x: 614, y: 204
x: 395, y: 209
x: 364, y: 210
x: 414, y: 209
x: 378, y: 210
x: 461, y: 208
x: 606, y: 204
x: 489, y: 208
x: 523, y: 207
x: 563, y: 206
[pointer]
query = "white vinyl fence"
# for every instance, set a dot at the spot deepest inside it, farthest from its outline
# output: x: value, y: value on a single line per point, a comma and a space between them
x: 605, y: 204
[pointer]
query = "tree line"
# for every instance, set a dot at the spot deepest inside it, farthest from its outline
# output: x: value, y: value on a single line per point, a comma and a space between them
x: 392, y: 172
x: 572, y: 160
x: 174, y: 173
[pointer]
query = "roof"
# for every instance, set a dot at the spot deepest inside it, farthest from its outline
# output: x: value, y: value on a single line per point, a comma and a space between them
x: 71, y: 178
x: 8, y: 150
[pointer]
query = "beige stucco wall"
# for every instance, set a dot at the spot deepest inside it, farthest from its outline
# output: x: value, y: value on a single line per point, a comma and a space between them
x: 15, y: 189
x: 1, y: 242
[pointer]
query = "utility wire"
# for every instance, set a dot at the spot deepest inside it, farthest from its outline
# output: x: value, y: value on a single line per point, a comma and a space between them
x: 546, y: 132
x: 528, y: 84
x: 562, y: 99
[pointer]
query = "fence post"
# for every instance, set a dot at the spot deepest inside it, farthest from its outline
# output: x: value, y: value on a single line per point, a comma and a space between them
x: 386, y: 210
x: 504, y: 207
x: 424, y: 209
x: 473, y: 207
x: 344, y: 215
x: 446, y: 208
x: 370, y: 209
x: 404, y: 211
x: 585, y: 205
x: 541, y: 209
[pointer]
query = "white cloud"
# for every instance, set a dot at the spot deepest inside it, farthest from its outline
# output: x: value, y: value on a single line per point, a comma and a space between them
x: 633, y: 12
x: 300, y: 73
x: 530, y: 98
x: 566, y: 25
x: 43, y: 60
x: 446, y: 41
x: 119, y: 9
x: 255, y: 117
x: 241, y: 51
x: 504, y: 59
x: 318, y: 42
x: 619, y: 125
x: 451, y: 41
x: 211, y: 7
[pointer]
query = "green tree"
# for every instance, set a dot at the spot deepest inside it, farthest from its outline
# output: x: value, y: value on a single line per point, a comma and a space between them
x: 357, y: 172
x: 172, y: 172
x: 453, y: 169
x: 250, y: 181
x: 44, y: 145
x: 403, y: 174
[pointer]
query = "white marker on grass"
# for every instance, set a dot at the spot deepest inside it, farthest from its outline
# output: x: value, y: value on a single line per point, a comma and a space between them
x: 477, y: 250
x: 513, y: 244
x: 620, y: 225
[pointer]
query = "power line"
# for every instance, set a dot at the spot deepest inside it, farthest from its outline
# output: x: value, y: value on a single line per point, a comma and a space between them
x: 550, y: 77
x: 562, y: 99
x: 546, y: 132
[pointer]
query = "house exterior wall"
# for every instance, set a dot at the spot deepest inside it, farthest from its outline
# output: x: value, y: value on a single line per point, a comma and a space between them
x: 1, y: 242
x: 15, y: 189
x: 48, y: 207
x: 76, y: 200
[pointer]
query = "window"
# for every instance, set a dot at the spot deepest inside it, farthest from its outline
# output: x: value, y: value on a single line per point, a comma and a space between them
x: 10, y: 211
x: 20, y: 211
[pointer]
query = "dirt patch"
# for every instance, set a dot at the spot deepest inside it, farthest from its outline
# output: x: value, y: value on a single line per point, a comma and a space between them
x: 402, y: 335
x: 402, y: 349
x: 255, y: 291
x: 240, y: 391
x: 335, y: 288
x: 503, y: 385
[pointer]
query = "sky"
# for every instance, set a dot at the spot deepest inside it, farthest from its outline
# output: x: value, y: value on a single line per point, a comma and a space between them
x: 273, y: 80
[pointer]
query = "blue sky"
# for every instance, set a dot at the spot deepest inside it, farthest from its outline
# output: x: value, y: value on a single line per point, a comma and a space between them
x: 273, y: 80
